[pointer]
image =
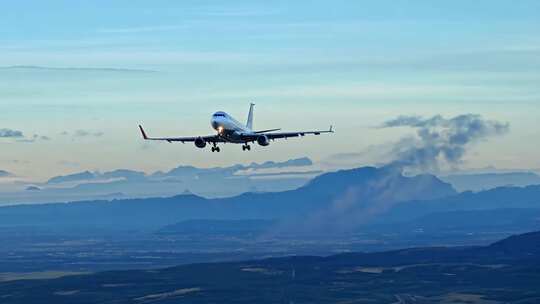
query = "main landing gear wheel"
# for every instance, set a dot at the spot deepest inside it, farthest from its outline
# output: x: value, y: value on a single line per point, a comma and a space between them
x: 246, y: 147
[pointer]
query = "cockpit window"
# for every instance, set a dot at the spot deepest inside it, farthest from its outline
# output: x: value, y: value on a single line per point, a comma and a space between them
x: 219, y: 115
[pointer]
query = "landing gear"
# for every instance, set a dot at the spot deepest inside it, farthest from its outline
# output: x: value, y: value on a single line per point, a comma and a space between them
x: 246, y: 147
x: 215, y: 148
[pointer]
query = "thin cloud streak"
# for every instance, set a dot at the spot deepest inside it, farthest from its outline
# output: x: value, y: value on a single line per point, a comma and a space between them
x: 142, y: 29
x: 87, y: 133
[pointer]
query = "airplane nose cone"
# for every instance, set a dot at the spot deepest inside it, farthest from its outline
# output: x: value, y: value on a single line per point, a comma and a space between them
x: 215, y: 124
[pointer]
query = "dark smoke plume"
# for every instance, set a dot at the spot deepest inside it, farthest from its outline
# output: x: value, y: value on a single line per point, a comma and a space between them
x: 440, y: 140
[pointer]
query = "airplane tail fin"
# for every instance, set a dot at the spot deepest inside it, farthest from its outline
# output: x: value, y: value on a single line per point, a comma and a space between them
x: 249, y: 123
x: 142, y: 132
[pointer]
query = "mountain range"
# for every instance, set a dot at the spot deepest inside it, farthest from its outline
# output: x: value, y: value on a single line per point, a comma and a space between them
x: 124, y: 183
x: 365, y: 190
x: 486, y: 181
x: 227, y: 181
x: 332, y: 203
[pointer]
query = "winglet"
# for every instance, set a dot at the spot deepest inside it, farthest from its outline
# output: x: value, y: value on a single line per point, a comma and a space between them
x: 142, y: 132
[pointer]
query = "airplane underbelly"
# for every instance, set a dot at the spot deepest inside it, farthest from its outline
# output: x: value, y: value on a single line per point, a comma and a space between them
x: 229, y: 130
x: 233, y: 137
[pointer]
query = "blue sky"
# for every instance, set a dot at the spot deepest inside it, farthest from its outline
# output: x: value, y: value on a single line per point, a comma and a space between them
x: 306, y: 64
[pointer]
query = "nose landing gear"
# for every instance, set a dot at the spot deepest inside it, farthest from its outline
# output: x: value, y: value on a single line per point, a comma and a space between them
x: 246, y: 147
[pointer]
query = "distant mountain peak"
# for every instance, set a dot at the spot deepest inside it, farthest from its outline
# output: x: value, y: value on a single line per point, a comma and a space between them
x: 85, y: 175
x: 4, y: 173
x: 394, y: 184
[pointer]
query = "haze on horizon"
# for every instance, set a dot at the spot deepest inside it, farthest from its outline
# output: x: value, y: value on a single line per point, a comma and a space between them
x: 73, y: 92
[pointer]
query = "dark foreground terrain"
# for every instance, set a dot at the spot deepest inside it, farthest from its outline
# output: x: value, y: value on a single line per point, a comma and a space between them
x: 507, y: 271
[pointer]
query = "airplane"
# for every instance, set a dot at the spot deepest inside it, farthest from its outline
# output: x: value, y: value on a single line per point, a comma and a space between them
x: 229, y: 130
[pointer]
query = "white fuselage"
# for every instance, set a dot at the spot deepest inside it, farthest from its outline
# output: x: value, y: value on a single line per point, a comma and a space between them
x: 228, y: 127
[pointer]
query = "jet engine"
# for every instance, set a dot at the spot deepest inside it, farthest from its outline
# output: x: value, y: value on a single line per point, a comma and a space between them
x: 200, y: 143
x: 263, y: 140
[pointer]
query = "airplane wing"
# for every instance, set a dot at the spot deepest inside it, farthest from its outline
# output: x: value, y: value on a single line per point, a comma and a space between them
x: 266, y: 131
x: 278, y: 135
x: 209, y: 138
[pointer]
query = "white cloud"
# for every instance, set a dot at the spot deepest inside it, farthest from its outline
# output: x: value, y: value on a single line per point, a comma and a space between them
x: 10, y: 133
